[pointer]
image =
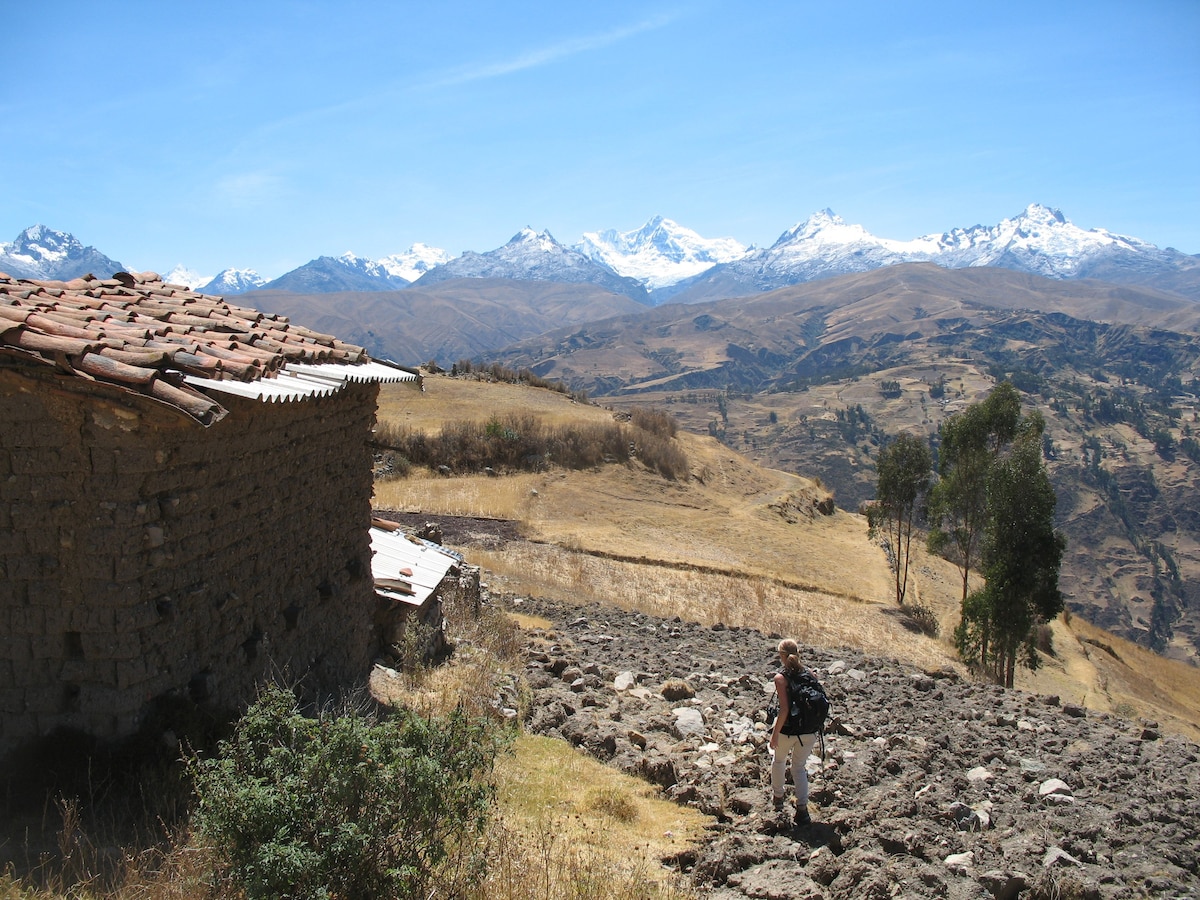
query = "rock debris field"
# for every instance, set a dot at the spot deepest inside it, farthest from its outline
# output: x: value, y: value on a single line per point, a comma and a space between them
x: 931, y: 786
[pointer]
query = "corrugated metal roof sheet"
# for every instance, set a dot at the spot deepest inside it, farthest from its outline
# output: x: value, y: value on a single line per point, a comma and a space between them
x: 375, y: 370
x: 395, y: 554
x: 300, y: 381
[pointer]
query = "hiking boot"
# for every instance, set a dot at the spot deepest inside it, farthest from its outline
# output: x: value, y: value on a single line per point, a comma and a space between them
x: 777, y: 802
x: 803, y: 819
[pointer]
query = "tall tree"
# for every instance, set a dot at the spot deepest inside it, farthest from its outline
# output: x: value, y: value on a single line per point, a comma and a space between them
x: 1021, y: 555
x: 905, y: 467
x: 969, y: 443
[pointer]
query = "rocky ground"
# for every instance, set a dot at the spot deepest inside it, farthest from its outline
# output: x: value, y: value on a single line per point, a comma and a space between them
x: 930, y: 786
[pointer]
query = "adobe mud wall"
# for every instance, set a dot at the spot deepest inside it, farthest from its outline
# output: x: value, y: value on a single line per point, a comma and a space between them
x: 142, y: 555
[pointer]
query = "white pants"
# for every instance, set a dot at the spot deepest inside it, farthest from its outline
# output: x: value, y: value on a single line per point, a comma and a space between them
x: 798, y: 747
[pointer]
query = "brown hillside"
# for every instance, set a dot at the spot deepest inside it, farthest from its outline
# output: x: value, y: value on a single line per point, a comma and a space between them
x: 453, y: 320
x: 736, y: 543
x: 795, y: 378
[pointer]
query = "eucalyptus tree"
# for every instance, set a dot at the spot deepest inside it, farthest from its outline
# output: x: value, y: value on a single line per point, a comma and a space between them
x: 969, y: 443
x: 905, y: 468
x: 1021, y: 554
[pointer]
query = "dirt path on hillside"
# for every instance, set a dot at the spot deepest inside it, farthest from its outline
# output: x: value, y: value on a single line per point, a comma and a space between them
x: 460, y: 531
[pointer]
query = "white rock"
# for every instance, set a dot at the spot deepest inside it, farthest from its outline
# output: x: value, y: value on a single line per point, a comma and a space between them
x: 1054, y: 786
x: 979, y: 773
x: 689, y: 721
x: 624, y: 681
x: 1056, y: 855
x: 960, y: 861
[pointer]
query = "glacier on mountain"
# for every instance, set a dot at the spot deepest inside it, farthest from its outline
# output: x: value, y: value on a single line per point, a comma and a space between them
x: 232, y: 281
x: 1040, y: 240
x: 189, y: 278
x: 660, y: 253
x: 414, y: 262
x: 535, y: 256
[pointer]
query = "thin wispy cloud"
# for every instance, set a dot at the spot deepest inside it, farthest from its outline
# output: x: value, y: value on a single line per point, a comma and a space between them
x: 551, y: 54
x: 388, y: 95
x: 248, y: 190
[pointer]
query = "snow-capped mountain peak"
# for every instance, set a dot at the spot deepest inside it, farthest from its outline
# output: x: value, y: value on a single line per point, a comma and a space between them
x: 827, y: 227
x: 535, y: 256
x: 1039, y: 240
x: 41, y: 252
x: 233, y: 281
x: 46, y: 244
x: 529, y: 240
x: 189, y: 278
x: 660, y: 253
x: 414, y: 262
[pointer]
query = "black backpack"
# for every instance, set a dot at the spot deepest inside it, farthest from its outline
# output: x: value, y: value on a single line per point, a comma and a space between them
x: 809, y: 705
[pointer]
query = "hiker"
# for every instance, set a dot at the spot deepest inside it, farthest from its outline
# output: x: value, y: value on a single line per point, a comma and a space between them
x: 783, y: 745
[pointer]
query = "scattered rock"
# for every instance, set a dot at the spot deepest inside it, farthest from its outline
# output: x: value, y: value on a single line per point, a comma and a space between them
x: 1058, y: 856
x: 677, y: 689
x: 689, y: 722
x: 930, y: 787
x: 624, y: 681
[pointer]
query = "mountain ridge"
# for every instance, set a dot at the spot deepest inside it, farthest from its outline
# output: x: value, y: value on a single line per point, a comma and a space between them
x: 663, y: 261
x: 535, y: 256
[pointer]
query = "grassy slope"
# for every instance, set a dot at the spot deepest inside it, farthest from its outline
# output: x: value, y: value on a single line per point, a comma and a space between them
x: 818, y: 578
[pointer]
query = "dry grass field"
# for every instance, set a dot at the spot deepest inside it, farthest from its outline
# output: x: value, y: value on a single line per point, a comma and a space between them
x: 567, y: 826
x: 740, y: 544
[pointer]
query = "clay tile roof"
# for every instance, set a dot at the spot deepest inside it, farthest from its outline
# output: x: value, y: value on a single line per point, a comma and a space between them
x: 168, y: 342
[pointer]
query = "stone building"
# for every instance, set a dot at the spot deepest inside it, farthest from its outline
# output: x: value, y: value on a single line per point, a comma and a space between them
x: 185, y: 490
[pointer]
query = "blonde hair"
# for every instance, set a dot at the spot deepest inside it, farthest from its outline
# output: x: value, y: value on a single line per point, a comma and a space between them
x: 790, y: 651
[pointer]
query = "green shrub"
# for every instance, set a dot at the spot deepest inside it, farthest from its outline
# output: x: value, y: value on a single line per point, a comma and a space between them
x: 349, y: 805
x: 922, y: 618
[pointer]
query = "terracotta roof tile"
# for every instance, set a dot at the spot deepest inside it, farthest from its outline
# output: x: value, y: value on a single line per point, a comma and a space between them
x: 137, y: 333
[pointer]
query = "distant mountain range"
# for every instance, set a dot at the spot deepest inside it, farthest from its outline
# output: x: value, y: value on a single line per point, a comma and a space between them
x: 536, y: 256
x: 664, y: 261
x: 1039, y: 241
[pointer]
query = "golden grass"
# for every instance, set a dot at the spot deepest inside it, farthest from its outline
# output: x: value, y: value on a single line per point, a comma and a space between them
x: 448, y: 399
x: 812, y: 618
x: 510, y: 497
x: 1128, y: 680
x: 573, y: 827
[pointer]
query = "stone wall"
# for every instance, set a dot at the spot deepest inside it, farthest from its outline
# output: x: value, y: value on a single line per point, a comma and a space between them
x: 142, y: 555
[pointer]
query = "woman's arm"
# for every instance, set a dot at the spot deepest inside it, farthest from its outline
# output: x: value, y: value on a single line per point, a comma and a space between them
x: 784, y: 706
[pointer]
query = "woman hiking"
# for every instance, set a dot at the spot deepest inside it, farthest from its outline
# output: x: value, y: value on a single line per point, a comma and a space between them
x: 797, y: 747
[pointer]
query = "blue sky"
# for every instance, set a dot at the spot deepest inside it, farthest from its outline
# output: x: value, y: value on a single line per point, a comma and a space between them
x: 262, y: 134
